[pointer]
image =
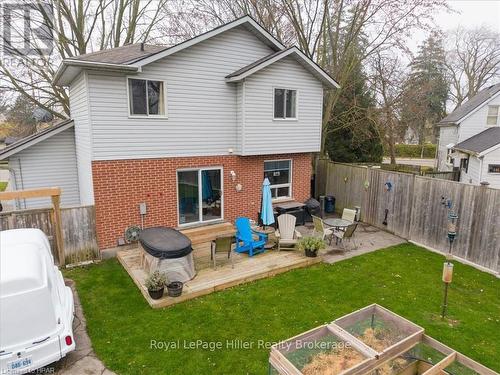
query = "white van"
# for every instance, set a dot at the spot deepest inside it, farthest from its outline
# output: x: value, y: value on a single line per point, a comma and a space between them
x: 36, y: 308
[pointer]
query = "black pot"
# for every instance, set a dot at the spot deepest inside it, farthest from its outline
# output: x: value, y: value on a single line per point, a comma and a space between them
x: 174, y: 289
x: 156, y: 294
x: 311, y: 253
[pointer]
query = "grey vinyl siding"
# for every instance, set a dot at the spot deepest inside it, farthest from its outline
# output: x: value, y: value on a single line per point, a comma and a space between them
x: 201, y: 106
x: 79, y: 108
x: 49, y: 163
x: 240, y: 89
x: 262, y: 134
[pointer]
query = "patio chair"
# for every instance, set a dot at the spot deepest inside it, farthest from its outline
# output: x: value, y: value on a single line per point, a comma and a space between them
x: 319, y: 228
x: 347, y: 234
x: 245, y: 240
x: 349, y: 214
x: 221, y: 244
x: 286, y: 234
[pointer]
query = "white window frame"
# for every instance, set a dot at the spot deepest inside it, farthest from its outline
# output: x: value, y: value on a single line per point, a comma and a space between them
x: 489, y: 169
x: 488, y: 115
x: 200, y: 194
x: 131, y: 115
x: 289, y: 184
x: 284, y: 104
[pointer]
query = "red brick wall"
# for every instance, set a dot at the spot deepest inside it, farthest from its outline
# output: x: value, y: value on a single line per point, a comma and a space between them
x: 120, y: 185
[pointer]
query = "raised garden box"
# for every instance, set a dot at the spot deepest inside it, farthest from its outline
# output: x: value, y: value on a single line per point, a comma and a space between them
x: 374, y: 341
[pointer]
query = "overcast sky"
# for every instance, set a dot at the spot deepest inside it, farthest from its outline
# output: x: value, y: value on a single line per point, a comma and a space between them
x: 469, y: 13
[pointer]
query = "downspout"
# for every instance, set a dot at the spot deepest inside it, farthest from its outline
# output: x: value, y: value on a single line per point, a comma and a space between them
x: 481, y: 169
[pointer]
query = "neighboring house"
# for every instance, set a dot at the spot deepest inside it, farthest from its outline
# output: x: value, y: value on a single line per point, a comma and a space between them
x: 7, y: 141
x: 191, y: 130
x: 470, y: 139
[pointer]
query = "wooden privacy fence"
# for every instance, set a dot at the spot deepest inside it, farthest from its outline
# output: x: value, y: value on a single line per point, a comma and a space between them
x: 78, y: 229
x: 415, y: 210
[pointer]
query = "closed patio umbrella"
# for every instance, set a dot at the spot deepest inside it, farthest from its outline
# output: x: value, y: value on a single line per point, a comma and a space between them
x: 266, y: 211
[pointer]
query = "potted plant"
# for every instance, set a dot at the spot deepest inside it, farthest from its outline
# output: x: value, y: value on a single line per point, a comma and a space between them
x: 174, y: 289
x: 155, y: 283
x: 311, y: 245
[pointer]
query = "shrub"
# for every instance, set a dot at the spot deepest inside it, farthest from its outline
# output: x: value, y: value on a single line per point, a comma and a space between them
x: 414, y: 151
x: 156, y: 281
x: 311, y: 243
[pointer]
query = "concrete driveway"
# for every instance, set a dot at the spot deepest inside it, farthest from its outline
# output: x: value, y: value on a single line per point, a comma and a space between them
x: 83, y: 360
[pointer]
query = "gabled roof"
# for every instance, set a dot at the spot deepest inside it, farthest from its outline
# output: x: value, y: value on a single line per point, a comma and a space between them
x: 480, y: 142
x: 483, y: 96
x: 35, y: 138
x: 306, y: 62
x: 121, y: 55
x: 116, y: 59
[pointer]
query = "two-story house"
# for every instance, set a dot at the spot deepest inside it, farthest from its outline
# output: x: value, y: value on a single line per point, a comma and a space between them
x: 191, y: 130
x: 470, y: 139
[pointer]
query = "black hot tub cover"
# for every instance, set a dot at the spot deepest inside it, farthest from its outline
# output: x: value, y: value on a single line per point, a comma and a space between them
x: 165, y: 243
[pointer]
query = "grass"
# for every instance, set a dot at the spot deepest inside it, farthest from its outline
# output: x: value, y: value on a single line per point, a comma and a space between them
x: 3, y: 185
x: 404, y: 278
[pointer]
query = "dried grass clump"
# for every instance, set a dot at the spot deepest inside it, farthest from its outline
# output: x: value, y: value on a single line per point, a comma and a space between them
x: 333, y: 362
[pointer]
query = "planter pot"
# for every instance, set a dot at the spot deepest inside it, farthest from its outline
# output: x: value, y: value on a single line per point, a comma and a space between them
x: 174, y: 289
x: 311, y: 253
x: 156, y: 294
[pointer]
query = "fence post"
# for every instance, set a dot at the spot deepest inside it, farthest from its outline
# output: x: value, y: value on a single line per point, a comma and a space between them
x: 364, y: 198
x: 56, y: 199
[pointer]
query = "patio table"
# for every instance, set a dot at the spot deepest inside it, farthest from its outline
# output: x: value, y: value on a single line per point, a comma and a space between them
x: 269, y: 231
x: 337, y: 223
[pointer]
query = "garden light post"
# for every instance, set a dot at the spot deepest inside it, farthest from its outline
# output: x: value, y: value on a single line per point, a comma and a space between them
x: 448, y: 266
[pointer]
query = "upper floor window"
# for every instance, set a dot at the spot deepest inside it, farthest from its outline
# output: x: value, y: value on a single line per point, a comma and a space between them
x: 279, y: 173
x: 146, y: 97
x: 492, y: 118
x: 285, y: 104
x: 493, y: 168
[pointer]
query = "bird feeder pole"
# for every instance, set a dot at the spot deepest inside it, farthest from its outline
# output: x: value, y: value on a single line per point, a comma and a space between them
x: 448, y: 265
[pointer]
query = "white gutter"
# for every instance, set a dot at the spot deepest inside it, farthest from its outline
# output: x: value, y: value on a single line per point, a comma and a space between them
x: 91, y: 65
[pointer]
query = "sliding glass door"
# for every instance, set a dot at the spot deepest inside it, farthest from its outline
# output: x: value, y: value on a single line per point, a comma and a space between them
x: 200, y: 195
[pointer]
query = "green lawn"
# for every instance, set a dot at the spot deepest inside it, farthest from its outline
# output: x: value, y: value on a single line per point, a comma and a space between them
x: 3, y: 185
x: 404, y: 278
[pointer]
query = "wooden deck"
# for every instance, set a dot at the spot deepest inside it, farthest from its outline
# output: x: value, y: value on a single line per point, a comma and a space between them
x: 208, y: 280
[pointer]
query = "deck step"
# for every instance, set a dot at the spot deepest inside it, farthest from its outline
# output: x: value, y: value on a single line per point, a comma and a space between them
x: 208, y: 233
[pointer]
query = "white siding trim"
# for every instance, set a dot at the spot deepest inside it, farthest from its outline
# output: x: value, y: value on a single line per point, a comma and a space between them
x: 303, y: 58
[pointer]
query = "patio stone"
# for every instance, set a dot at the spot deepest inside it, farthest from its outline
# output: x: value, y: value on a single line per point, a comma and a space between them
x: 367, y: 237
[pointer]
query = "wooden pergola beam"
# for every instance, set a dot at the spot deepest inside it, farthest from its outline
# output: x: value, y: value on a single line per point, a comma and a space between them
x: 30, y: 193
x: 55, y: 194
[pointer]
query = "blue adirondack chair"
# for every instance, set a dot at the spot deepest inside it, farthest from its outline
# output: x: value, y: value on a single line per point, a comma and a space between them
x: 244, y: 238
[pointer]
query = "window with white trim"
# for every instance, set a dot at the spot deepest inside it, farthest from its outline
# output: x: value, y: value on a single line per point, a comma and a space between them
x: 279, y: 173
x: 146, y: 97
x: 492, y: 118
x: 493, y: 168
x: 285, y: 104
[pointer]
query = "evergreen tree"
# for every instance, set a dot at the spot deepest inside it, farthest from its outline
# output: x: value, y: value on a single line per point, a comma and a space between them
x: 353, y: 136
x: 426, y: 90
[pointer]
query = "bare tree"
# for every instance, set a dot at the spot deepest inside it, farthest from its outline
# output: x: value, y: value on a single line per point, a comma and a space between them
x: 473, y: 61
x: 387, y: 80
x: 77, y: 27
